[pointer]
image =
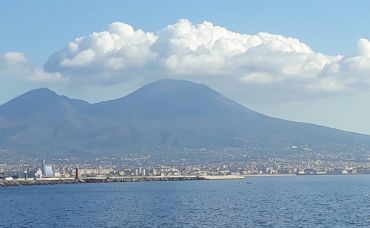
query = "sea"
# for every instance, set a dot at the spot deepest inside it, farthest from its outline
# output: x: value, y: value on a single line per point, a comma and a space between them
x: 286, y: 201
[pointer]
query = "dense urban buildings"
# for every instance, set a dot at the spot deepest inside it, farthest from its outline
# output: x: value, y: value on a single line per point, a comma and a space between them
x: 139, y: 165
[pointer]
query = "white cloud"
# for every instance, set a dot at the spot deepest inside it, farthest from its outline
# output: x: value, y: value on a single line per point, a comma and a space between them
x: 349, y: 73
x: 258, y: 78
x: 363, y: 47
x: 208, y: 49
x: 15, y: 65
x: 263, y: 62
x: 40, y: 76
x: 14, y: 57
x: 118, y: 48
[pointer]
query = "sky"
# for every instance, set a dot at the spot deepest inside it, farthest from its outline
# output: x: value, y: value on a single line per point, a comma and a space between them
x: 299, y: 60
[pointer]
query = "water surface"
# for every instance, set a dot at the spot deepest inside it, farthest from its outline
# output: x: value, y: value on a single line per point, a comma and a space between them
x: 301, y: 201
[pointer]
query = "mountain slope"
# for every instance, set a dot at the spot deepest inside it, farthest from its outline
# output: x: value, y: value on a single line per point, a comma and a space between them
x: 42, y: 118
x: 160, y: 119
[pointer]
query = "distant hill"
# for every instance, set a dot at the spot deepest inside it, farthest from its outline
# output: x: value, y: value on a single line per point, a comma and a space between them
x: 167, y: 118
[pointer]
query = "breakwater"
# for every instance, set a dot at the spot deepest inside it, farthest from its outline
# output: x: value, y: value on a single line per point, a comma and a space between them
x: 51, y: 181
x: 8, y: 183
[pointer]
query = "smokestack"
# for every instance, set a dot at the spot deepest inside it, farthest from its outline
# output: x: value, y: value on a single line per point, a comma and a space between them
x: 77, y: 174
x: 43, y: 166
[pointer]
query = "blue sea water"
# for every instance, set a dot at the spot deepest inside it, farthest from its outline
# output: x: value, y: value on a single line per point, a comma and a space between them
x: 300, y: 201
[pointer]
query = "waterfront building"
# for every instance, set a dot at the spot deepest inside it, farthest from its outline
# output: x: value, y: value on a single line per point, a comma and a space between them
x: 38, y: 173
x: 47, y: 170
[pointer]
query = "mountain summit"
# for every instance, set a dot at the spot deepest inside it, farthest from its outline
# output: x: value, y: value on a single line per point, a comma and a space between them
x: 167, y: 118
x: 169, y: 98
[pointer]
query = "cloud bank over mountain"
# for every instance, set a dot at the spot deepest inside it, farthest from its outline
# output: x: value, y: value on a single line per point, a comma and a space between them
x: 263, y: 62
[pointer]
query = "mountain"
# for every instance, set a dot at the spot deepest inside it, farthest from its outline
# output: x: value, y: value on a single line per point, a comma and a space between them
x: 41, y: 119
x: 167, y: 118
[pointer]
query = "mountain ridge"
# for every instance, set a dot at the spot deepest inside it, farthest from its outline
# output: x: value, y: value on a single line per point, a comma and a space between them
x: 163, y: 117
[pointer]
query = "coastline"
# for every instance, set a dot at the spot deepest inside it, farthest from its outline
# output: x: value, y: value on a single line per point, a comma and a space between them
x: 53, y: 181
x: 103, y: 179
x: 271, y: 175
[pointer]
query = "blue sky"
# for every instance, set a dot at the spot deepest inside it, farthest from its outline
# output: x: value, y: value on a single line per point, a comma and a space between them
x: 34, y: 31
x: 40, y: 27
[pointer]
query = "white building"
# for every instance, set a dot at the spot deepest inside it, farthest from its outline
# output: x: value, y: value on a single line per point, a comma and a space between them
x: 47, y: 170
x: 38, y: 173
